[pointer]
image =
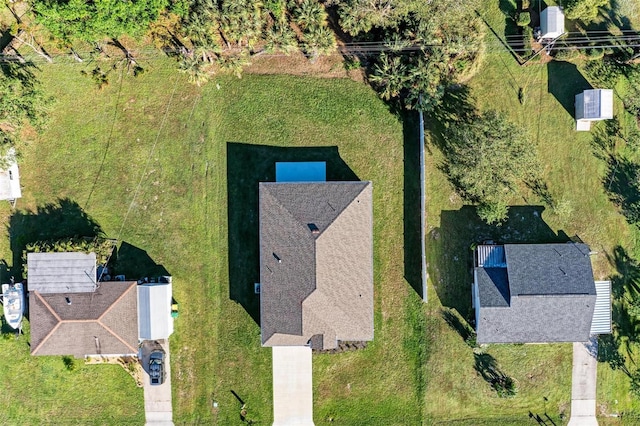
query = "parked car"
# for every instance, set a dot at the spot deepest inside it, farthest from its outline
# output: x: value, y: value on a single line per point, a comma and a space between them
x: 156, y: 367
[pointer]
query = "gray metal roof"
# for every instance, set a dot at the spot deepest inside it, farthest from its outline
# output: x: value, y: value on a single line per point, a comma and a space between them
x: 601, y: 323
x: 594, y: 104
x: 552, y: 22
x: 316, y: 262
x: 61, y: 272
x: 546, y: 293
x: 154, y: 311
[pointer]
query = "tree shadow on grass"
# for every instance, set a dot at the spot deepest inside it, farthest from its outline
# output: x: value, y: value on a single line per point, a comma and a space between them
x: 54, y: 221
x: 487, y: 367
x: 564, y: 82
x: 461, y: 326
x: 247, y: 165
x: 450, y: 255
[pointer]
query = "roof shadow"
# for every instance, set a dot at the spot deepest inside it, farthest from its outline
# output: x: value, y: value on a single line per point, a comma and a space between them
x: 450, y: 246
x: 135, y: 263
x: 564, y: 82
x: 61, y: 219
x: 247, y: 165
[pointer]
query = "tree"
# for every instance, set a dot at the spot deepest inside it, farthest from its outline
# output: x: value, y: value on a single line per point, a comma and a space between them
x: 429, y: 45
x: 583, y: 10
x: 487, y: 159
x: 70, y: 20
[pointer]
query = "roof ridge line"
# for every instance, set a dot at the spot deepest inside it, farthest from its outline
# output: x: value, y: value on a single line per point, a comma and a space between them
x: 367, y: 182
x: 46, y: 304
x: 116, y: 301
x: 37, y: 348
x: 115, y: 335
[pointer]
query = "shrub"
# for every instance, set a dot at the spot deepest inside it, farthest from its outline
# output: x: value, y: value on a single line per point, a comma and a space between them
x: 567, y: 53
x: 583, y: 10
x: 69, y: 363
x: 524, y: 19
x: 605, y: 72
x: 527, y: 37
x: 493, y: 214
x: 100, y: 246
x: 594, y: 54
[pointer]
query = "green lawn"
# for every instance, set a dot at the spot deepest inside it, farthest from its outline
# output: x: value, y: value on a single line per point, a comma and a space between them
x: 172, y: 170
x: 581, y: 208
x: 192, y: 158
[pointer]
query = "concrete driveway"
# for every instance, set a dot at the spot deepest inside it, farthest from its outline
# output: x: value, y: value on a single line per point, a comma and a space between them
x: 583, y: 384
x: 292, y: 386
x: 157, y: 399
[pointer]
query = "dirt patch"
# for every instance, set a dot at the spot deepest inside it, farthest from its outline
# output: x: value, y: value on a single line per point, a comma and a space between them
x: 131, y: 365
x: 327, y: 66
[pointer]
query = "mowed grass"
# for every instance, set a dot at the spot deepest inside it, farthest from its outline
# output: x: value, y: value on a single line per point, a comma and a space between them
x: 146, y: 158
x: 581, y: 208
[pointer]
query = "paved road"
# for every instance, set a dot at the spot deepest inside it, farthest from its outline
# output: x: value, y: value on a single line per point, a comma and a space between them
x: 292, y: 386
x: 583, y: 384
x: 157, y: 399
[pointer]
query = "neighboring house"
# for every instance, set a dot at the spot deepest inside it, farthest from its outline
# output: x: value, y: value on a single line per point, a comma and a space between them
x: 593, y: 105
x: 71, y: 312
x: 538, y: 293
x: 551, y: 23
x: 316, y: 259
x: 101, y: 322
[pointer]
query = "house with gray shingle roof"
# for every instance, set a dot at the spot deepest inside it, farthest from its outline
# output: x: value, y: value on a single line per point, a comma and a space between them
x: 537, y: 293
x: 316, y: 263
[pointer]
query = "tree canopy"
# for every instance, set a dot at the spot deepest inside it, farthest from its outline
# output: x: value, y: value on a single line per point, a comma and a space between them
x: 425, y: 45
x: 487, y: 159
x: 583, y: 10
x: 92, y: 21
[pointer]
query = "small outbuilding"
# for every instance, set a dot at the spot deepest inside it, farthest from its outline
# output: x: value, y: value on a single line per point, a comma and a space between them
x: 10, y: 178
x: 154, y: 310
x: 551, y: 22
x: 593, y: 105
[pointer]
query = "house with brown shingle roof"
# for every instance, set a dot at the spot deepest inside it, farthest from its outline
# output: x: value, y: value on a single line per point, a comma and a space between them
x: 316, y: 263
x: 101, y: 322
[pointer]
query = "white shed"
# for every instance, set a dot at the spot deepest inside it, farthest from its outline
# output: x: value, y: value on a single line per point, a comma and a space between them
x: 593, y: 105
x: 154, y: 310
x: 10, y: 178
x: 551, y: 22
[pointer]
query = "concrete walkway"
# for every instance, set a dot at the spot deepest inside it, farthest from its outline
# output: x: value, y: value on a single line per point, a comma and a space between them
x: 292, y: 386
x: 583, y: 384
x: 157, y: 399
